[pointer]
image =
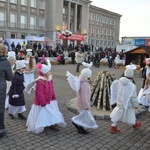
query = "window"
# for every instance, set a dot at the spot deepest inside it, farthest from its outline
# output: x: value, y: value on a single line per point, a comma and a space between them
x: 64, y: 10
x: 106, y: 21
x: 13, y: 35
x: 13, y: 1
x: 42, y: 4
x: 2, y: 19
x: 24, y: 2
x: 13, y: 20
x: 41, y: 23
x: 102, y: 19
x: 23, y: 21
x: 108, y: 33
x: 72, y: 11
x: 97, y: 30
x: 97, y: 17
x: 2, y: 35
x: 32, y: 22
x: 101, y: 31
x: 105, y: 32
x: 105, y: 43
x: 113, y: 22
x: 64, y: 25
x: 93, y: 16
x: 33, y: 3
x: 23, y: 36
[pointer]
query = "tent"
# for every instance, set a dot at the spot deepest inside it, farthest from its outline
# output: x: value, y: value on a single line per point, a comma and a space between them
x: 135, y: 55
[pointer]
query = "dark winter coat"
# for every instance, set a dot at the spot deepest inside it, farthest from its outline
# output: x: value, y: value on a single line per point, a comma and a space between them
x: 17, y: 87
x: 5, y: 74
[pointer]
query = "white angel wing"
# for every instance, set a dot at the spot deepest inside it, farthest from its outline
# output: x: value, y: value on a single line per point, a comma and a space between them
x: 48, y: 62
x: 87, y: 64
x: 73, y: 81
x: 114, y: 88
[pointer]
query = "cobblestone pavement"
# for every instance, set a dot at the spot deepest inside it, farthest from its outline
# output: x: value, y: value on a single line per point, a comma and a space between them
x: 17, y: 138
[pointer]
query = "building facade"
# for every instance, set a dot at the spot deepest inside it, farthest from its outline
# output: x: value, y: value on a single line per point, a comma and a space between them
x: 104, y: 27
x: 88, y: 24
x: 19, y: 18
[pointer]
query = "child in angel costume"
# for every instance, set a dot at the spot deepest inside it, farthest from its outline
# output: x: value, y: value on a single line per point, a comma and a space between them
x: 123, y: 92
x: 144, y: 93
x: 16, y: 95
x: 81, y: 85
x: 44, y: 111
x: 30, y: 67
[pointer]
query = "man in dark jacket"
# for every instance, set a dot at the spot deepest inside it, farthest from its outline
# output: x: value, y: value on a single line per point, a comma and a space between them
x: 5, y: 74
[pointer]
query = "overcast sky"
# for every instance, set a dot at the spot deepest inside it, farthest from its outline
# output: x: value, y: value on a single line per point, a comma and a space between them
x: 135, y: 20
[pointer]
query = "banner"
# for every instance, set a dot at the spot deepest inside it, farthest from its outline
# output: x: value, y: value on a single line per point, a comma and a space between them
x: 147, y: 42
x: 140, y: 42
x: 77, y: 37
x: 128, y: 41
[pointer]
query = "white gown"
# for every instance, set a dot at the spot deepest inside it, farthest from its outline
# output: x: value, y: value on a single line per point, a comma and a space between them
x: 40, y: 117
x: 85, y: 119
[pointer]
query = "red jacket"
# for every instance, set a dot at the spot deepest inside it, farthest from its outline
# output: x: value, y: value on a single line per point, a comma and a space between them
x: 44, y: 92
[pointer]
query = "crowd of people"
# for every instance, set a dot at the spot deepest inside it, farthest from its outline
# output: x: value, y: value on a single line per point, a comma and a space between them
x: 17, y: 68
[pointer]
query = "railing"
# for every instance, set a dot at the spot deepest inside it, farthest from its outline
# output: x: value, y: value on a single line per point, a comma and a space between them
x: 2, y: 23
x: 23, y: 26
x: 13, y: 25
x: 32, y: 27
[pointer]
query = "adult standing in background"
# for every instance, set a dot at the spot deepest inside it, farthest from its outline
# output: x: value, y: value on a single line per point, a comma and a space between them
x: 6, y: 44
x: 5, y: 74
x: 79, y: 60
x: 72, y: 55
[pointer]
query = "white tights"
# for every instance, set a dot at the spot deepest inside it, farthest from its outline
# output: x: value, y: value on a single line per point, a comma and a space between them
x: 114, y: 124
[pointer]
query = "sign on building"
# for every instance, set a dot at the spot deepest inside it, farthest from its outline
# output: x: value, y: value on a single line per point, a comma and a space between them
x: 140, y: 42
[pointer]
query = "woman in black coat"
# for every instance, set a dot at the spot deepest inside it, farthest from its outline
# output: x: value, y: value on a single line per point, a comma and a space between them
x: 5, y: 74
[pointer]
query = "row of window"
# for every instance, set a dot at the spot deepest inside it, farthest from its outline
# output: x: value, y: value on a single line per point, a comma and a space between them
x: 98, y: 31
x: 33, y: 3
x: 100, y: 43
x: 100, y: 18
x: 23, y: 20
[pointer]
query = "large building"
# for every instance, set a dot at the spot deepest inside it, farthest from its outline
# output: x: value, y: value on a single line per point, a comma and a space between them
x: 104, y: 27
x: 87, y: 23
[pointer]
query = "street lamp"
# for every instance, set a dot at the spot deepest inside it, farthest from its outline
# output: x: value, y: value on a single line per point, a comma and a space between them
x: 66, y: 34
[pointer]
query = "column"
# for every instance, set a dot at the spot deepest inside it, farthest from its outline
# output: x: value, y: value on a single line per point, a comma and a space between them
x: 68, y: 19
x: 75, y: 18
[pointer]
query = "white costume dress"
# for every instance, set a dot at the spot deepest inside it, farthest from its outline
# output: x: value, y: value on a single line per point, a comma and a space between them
x: 29, y: 73
x: 40, y: 117
x: 123, y: 91
x: 143, y: 95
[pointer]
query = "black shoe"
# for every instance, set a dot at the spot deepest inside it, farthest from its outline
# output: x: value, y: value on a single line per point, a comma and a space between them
x: 11, y: 116
x: 75, y: 125
x: 82, y: 131
x: 3, y: 133
x: 21, y: 116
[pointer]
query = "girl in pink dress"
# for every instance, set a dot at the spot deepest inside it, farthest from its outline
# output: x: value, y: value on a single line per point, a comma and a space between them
x: 44, y: 111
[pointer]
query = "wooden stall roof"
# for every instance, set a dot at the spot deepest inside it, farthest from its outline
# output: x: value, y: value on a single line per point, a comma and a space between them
x: 139, y: 50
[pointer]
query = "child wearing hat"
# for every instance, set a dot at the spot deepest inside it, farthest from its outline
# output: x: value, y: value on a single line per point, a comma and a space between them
x: 30, y: 68
x: 16, y: 95
x: 123, y: 92
x: 44, y: 111
x: 85, y: 118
